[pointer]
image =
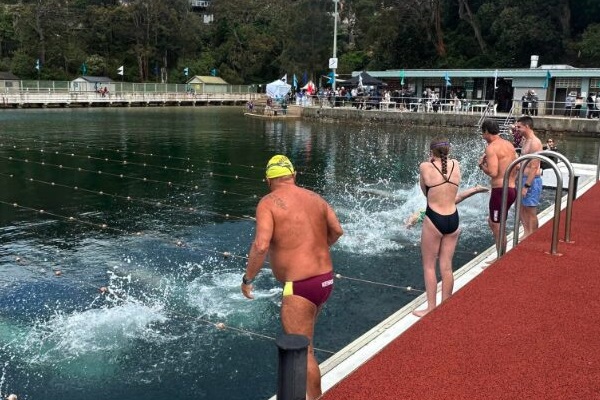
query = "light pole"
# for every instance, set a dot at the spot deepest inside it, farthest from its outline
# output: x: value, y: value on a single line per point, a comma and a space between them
x: 333, y: 64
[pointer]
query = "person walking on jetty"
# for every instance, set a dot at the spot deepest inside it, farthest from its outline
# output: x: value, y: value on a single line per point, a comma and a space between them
x: 296, y: 227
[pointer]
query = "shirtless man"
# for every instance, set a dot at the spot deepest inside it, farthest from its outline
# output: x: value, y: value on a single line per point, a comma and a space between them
x: 532, y: 181
x: 296, y: 227
x: 499, y: 153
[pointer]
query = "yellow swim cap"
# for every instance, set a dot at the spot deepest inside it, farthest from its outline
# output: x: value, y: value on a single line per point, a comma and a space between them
x: 279, y: 166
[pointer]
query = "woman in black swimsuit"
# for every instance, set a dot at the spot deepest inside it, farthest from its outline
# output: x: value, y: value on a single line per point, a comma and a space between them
x: 439, y: 179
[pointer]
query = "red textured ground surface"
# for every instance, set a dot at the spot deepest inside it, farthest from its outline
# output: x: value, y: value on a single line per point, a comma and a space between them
x: 528, y: 327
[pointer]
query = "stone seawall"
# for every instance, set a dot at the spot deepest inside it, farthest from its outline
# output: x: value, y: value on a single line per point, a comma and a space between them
x: 542, y: 124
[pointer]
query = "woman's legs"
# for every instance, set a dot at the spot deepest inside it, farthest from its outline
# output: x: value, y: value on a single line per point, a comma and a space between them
x: 430, y: 246
x: 445, y: 259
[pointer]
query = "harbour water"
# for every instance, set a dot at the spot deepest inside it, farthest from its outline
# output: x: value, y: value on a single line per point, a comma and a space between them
x: 155, y: 206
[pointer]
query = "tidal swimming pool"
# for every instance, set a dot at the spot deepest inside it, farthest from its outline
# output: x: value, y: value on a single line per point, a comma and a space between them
x: 154, y: 207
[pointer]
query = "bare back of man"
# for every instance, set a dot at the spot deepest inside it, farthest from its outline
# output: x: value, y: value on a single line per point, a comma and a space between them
x: 498, y: 156
x: 299, y: 245
x: 295, y: 227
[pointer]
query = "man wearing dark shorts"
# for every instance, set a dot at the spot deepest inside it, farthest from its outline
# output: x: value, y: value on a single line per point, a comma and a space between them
x: 499, y: 153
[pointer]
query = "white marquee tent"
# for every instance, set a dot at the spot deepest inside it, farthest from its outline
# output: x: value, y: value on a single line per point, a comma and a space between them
x: 278, y: 88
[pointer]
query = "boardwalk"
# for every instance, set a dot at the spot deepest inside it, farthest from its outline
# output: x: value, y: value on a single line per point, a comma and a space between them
x: 120, y: 99
x: 526, y: 327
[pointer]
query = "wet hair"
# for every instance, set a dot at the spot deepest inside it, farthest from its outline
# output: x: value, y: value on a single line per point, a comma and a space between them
x: 490, y: 126
x: 440, y: 147
x: 526, y: 120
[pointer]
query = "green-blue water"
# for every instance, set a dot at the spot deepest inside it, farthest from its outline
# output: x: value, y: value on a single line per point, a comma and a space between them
x: 145, y: 202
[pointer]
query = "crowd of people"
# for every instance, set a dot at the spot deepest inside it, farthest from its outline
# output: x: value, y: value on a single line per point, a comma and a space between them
x: 302, y: 261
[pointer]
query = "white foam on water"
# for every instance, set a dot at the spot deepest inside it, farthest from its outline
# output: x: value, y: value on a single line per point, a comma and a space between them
x: 69, y: 336
x: 219, y: 294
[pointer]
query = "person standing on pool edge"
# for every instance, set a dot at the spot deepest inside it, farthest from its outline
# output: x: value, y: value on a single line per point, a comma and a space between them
x: 439, y: 179
x: 499, y: 153
x: 532, y: 180
x: 296, y: 227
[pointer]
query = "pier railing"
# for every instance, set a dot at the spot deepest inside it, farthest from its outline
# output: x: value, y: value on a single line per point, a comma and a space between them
x: 62, y: 93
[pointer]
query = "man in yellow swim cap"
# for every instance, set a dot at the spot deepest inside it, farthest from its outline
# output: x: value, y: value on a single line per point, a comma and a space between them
x: 279, y: 166
x: 296, y: 227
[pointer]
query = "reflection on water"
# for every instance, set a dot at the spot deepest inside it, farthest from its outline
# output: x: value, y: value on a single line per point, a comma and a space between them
x: 124, y: 233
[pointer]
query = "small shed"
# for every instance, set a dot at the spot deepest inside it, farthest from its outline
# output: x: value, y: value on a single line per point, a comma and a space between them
x: 8, y: 82
x: 97, y: 84
x: 208, y: 84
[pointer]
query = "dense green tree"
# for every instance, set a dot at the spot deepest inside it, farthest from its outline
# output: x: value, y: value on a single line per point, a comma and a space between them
x: 254, y: 41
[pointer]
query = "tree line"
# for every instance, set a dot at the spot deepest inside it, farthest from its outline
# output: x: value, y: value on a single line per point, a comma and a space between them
x: 254, y: 41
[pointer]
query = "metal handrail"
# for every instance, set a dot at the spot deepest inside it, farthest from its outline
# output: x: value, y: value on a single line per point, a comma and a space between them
x: 571, y: 189
x: 501, y: 245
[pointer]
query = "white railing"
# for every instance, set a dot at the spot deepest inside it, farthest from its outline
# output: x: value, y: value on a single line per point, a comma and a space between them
x: 66, y: 98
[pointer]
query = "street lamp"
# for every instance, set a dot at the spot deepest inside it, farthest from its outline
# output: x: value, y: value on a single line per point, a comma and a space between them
x: 333, y: 61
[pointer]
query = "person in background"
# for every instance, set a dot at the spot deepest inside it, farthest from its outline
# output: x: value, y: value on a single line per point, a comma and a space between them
x: 517, y: 138
x: 578, y: 105
x: 439, y: 178
x: 525, y: 103
x: 499, y: 153
x: 570, y: 103
x: 550, y: 145
x: 532, y: 182
x: 533, y: 103
x: 591, y: 105
x: 296, y: 227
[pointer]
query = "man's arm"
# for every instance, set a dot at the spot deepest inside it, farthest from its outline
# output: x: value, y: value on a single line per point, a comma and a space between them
x: 334, y: 228
x: 489, y: 163
x: 260, y: 246
x: 465, y: 194
x: 533, y: 165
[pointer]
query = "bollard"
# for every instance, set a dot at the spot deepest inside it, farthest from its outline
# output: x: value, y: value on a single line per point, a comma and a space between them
x: 291, y: 374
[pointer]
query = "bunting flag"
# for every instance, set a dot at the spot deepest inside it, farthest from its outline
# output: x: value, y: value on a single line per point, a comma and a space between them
x: 284, y: 78
x: 294, y: 81
x: 402, y: 77
x: 495, y: 79
x: 547, y: 80
x: 447, y: 79
x: 120, y: 71
x: 331, y: 76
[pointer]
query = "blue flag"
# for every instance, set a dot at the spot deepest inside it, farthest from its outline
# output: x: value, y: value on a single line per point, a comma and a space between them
x: 213, y: 72
x: 402, y: 77
x: 83, y: 69
x: 186, y: 71
x: 294, y: 81
x: 331, y: 76
x: 547, y: 80
x: 305, y: 78
x: 38, y: 64
x: 447, y: 79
